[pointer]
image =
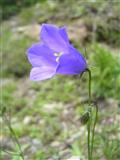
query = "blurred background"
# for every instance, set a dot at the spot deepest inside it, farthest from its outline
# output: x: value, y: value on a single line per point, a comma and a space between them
x: 46, y: 115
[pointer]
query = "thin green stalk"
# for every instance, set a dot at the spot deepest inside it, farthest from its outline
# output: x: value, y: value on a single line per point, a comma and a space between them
x: 89, y: 122
x: 91, y: 134
x: 14, y: 136
x: 89, y: 85
x: 93, y: 130
x: 11, y: 153
x: 88, y: 139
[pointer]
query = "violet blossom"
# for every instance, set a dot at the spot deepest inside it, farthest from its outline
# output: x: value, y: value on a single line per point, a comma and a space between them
x: 54, y: 55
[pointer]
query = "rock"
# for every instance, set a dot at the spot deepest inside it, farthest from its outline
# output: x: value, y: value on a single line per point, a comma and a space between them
x: 27, y: 120
x: 32, y: 31
x: 55, y: 144
x: 35, y: 145
x: 5, y: 142
x: 74, y: 158
x: 50, y: 107
x: 108, y: 121
x: 78, y: 31
x: 36, y: 142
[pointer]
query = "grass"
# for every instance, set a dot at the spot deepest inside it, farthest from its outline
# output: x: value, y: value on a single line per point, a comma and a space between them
x: 13, y: 55
x: 48, y: 105
x: 107, y: 70
x: 49, y: 120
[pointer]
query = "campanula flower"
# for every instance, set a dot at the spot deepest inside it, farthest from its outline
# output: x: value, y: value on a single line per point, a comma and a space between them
x: 54, y: 55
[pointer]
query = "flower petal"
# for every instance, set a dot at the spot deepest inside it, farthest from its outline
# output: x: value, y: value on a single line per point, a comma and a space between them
x: 42, y: 73
x: 64, y: 35
x: 51, y: 36
x: 40, y: 55
x: 73, y: 63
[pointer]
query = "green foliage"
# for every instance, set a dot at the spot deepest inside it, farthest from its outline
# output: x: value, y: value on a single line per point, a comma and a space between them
x: 76, y: 149
x: 54, y: 91
x: 7, y: 97
x: 101, y: 22
x: 9, y: 101
x: 14, y: 59
x: 106, y: 72
x: 40, y: 155
x: 12, y: 7
x: 16, y: 158
x: 111, y: 149
x: 39, y: 12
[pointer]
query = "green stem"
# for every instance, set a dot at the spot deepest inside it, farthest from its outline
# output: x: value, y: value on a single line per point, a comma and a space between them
x: 91, y: 134
x: 14, y: 136
x: 88, y: 137
x: 89, y: 85
x: 93, y: 130
x: 11, y: 153
x: 89, y: 122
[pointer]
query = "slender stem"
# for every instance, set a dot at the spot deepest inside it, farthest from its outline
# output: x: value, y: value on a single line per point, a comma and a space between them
x: 89, y: 85
x: 91, y: 135
x: 93, y: 130
x: 88, y: 138
x: 14, y: 136
x: 89, y: 122
x: 9, y: 152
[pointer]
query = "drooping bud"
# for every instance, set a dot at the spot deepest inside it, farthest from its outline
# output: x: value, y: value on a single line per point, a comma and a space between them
x: 85, y: 117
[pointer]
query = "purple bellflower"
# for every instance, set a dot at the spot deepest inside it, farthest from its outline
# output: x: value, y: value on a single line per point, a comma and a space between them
x: 54, y: 55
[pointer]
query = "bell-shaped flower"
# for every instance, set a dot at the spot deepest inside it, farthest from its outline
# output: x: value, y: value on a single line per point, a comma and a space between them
x: 54, y: 55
